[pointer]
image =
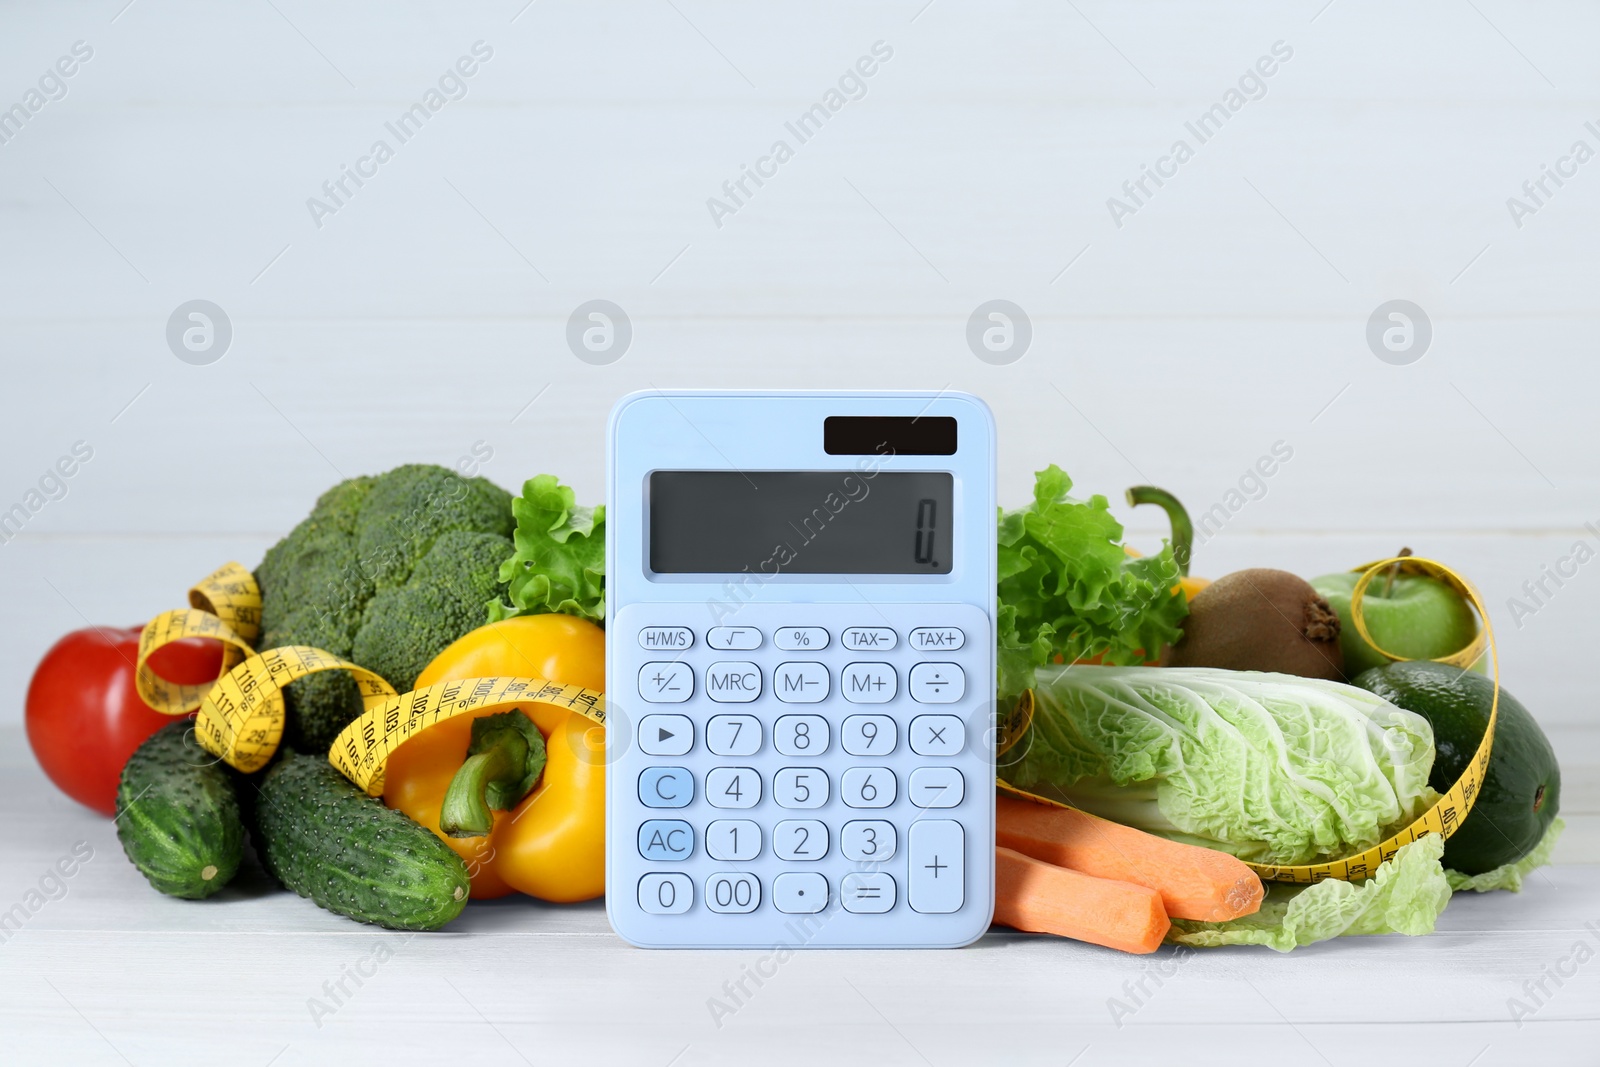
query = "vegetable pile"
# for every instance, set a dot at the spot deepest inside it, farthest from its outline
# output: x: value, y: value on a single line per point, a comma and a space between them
x: 1160, y: 733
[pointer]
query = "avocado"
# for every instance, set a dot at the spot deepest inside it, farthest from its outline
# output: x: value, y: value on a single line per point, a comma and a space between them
x: 1521, y: 792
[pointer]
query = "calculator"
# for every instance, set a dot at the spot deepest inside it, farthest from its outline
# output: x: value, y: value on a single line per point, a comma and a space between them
x: 800, y: 669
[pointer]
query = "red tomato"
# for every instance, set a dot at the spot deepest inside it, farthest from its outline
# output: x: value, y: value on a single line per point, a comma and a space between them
x: 84, y: 713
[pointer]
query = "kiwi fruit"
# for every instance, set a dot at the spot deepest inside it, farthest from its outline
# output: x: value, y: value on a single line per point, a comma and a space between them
x: 1260, y: 620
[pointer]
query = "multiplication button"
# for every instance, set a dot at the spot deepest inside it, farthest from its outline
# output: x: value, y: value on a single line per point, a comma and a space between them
x: 665, y: 735
x: 937, y: 735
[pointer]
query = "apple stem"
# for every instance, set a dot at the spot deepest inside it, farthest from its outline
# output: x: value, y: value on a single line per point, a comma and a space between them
x: 1394, y: 572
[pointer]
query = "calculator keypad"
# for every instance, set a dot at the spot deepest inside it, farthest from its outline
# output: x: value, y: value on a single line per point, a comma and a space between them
x: 831, y: 783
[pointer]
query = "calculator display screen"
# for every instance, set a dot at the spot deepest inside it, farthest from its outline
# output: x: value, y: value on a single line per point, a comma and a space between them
x: 800, y: 522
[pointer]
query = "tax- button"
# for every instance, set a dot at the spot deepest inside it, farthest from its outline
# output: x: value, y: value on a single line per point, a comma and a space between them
x: 733, y: 638
x: 937, y: 683
x: 666, y: 735
x: 875, y: 638
x: 733, y: 682
x: 666, y: 683
x: 869, y: 683
x: 666, y: 839
x: 666, y: 787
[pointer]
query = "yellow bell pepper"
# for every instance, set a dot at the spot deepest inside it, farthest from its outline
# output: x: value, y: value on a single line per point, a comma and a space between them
x: 550, y: 843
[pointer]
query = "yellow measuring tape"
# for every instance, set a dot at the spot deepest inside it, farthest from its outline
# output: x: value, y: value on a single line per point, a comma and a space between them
x: 1444, y: 817
x: 241, y: 714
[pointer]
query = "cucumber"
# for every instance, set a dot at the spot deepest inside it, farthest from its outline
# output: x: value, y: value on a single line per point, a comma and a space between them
x: 327, y: 840
x: 178, y: 815
x: 1521, y: 791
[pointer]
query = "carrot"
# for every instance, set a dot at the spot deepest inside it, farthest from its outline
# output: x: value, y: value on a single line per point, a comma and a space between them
x: 1194, y: 882
x: 1045, y: 899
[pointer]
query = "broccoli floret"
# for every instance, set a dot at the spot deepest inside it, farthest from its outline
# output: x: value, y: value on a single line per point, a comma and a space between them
x: 405, y: 627
x: 365, y: 536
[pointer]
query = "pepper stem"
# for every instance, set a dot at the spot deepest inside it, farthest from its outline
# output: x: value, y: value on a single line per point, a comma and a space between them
x: 1177, y: 515
x: 504, y: 759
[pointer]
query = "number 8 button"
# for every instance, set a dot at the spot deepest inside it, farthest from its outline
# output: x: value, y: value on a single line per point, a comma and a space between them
x: 801, y: 735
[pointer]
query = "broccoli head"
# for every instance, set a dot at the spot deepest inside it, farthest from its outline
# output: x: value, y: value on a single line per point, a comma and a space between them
x: 405, y: 626
x: 365, y: 538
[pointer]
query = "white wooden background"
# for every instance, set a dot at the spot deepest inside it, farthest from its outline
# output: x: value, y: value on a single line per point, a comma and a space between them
x: 429, y: 314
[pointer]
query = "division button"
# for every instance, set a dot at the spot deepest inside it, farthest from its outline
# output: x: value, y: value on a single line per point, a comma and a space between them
x: 666, y: 683
x: 937, y: 683
x: 867, y: 893
x: 733, y: 638
x: 666, y: 735
x: 938, y: 867
x: 800, y: 893
x: 666, y: 638
x: 665, y: 894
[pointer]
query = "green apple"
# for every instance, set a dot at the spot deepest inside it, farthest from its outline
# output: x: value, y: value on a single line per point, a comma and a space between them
x: 1418, y: 617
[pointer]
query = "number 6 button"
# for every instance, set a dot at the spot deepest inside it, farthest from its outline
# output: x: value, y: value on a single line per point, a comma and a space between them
x: 868, y: 787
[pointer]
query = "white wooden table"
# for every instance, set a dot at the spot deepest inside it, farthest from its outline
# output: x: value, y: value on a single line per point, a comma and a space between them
x: 428, y: 314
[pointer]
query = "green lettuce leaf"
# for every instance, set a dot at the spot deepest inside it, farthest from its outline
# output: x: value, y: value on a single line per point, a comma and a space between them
x: 560, y: 559
x: 1068, y: 589
x: 1269, y: 767
x: 1510, y: 875
x: 1406, y: 895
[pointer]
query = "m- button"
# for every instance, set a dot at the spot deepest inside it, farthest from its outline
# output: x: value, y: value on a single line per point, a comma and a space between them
x: 733, y: 682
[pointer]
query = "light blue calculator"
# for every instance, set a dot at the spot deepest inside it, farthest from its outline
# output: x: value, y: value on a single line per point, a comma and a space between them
x: 800, y: 670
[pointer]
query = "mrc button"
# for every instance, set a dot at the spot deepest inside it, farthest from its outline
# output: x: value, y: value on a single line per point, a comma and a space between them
x: 733, y: 682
